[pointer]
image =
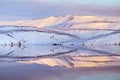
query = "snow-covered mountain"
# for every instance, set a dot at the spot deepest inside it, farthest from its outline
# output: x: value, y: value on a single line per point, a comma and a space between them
x: 68, y: 29
x: 71, y: 21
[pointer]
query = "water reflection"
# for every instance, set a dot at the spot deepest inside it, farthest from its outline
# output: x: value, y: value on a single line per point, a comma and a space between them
x: 67, y: 56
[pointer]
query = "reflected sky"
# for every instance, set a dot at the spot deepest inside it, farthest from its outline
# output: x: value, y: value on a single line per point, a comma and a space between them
x: 18, y: 71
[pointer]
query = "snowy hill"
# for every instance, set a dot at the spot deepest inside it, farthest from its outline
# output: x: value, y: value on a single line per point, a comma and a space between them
x: 69, y: 29
x: 71, y: 21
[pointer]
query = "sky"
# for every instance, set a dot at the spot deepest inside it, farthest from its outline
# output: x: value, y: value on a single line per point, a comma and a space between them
x: 11, y: 10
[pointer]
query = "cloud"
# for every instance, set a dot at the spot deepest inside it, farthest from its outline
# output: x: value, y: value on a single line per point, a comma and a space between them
x: 28, y: 9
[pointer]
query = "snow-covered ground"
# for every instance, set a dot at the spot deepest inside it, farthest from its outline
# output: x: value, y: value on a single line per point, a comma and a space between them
x: 24, y: 35
x: 20, y: 35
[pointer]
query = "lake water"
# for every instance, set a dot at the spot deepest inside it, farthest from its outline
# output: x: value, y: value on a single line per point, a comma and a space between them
x: 60, y: 62
x: 61, y: 55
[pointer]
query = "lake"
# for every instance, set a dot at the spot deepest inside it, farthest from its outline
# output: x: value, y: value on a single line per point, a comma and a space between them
x: 60, y: 62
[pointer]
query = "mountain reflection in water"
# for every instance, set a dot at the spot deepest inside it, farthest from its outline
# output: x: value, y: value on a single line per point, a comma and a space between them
x: 66, y: 56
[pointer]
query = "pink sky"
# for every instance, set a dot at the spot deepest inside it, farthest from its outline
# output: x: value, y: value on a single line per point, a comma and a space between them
x: 29, y: 9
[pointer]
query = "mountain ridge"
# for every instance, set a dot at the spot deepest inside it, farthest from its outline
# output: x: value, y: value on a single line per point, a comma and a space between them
x: 71, y: 21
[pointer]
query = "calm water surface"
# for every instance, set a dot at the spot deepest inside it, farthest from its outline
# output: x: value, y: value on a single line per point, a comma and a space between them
x: 60, y: 62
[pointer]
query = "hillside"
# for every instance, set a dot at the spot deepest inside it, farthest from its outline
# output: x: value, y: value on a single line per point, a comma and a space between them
x: 71, y: 21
